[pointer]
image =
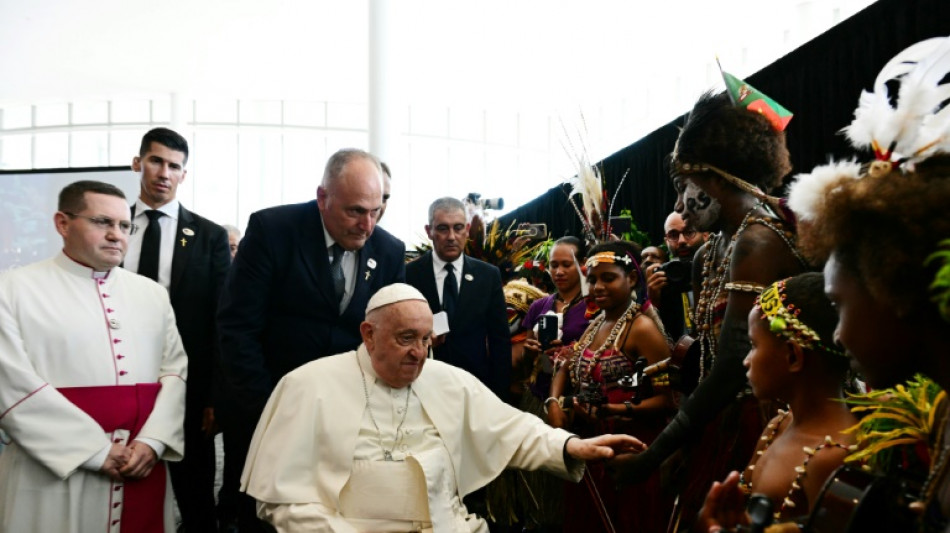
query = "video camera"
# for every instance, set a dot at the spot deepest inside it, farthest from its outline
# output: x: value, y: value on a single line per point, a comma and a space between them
x: 475, y: 198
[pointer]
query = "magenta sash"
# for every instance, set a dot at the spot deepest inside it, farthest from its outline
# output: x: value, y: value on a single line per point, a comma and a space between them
x: 128, y: 407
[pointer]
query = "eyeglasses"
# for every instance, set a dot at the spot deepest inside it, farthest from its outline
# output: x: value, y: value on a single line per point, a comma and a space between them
x: 106, y: 223
x: 674, y: 235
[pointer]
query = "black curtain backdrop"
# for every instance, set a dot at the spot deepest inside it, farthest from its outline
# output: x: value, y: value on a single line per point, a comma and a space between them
x: 819, y: 82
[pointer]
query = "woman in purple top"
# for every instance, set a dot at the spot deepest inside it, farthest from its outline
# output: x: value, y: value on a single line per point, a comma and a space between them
x: 567, y: 255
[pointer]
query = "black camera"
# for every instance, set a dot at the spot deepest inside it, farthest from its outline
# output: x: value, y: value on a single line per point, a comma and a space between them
x: 589, y: 397
x: 679, y: 275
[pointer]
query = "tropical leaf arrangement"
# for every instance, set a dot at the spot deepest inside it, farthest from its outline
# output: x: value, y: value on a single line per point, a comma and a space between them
x: 940, y: 288
x: 634, y: 234
x: 503, y: 248
x: 535, y: 268
x: 896, y: 424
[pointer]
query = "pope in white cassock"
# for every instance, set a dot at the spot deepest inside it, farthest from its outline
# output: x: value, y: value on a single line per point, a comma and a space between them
x: 366, y: 441
x: 92, y: 390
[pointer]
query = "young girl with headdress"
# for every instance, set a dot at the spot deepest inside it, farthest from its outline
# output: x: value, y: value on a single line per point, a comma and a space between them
x: 623, y: 332
x: 794, y: 360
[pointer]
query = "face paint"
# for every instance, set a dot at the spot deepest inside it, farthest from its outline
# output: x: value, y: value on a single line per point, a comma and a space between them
x: 701, y: 210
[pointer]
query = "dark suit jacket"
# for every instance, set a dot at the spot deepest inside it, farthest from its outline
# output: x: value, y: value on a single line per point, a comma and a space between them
x: 278, y: 309
x: 479, y: 340
x: 199, y: 265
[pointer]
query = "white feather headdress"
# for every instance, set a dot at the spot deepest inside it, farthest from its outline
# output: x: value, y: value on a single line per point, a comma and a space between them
x: 914, y: 128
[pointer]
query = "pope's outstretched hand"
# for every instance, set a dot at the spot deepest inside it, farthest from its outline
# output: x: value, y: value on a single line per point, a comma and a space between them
x: 602, y: 447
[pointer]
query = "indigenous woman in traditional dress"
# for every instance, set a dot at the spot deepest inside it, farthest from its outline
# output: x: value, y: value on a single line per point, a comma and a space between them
x: 883, y: 232
x: 793, y: 360
x: 545, y: 507
x: 622, y: 333
x: 726, y: 159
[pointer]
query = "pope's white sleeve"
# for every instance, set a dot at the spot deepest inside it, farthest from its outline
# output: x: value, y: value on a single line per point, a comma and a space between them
x: 296, y: 517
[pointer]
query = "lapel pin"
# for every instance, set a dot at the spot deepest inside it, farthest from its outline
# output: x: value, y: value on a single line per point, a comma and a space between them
x: 468, y: 277
x: 183, y: 242
x: 367, y: 275
x: 188, y: 231
x: 370, y: 263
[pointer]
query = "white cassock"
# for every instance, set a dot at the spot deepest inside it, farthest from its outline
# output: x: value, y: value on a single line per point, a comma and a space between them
x: 316, y: 460
x: 110, y: 341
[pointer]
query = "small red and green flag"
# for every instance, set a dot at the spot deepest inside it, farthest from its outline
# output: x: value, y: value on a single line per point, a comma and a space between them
x: 747, y: 96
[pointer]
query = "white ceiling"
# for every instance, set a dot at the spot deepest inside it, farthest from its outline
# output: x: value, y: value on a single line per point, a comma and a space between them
x: 491, y: 52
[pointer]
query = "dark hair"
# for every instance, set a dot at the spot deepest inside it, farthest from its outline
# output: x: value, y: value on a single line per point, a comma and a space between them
x: 621, y: 248
x: 570, y: 240
x: 165, y: 137
x: 882, y: 229
x: 385, y: 168
x: 72, y: 199
x: 807, y: 293
x: 734, y: 139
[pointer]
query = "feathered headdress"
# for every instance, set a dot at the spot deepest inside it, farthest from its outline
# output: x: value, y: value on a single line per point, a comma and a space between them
x: 595, y: 209
x: 901, y: 134
x: 916, y: 126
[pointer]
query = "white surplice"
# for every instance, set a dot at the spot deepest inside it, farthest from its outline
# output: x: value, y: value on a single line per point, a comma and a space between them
x: 62, y: 325
x: 312, y: 443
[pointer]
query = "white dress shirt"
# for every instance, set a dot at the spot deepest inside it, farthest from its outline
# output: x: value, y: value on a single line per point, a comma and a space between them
x: 169, y: 225
x: 438, y: 266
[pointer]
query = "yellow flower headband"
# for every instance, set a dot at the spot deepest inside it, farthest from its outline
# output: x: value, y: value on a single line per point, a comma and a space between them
x: 607, y: 257
x: 783, y: 319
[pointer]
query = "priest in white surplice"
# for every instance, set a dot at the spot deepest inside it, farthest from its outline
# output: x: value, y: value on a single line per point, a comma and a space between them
x: 366, y: 441
x: 92, y: 390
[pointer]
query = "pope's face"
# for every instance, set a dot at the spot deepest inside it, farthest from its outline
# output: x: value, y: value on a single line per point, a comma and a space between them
x: 397, y: 338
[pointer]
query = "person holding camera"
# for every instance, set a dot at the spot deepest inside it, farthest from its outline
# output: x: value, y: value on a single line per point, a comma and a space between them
x: 668, y: 284
x: 606, y: 353
x: 552, y: 323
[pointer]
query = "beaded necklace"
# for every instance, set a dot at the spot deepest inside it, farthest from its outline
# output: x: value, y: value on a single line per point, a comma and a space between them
x: 567, y: 305
x: 585, y: 341
x: 711, y: 290
x: 714, y: 284
x: 800, y: 471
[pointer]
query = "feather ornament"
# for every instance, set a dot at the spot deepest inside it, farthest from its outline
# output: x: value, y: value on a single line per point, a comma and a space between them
x: 917, y: 124
x: 588, y: 183
x: 808, y: 190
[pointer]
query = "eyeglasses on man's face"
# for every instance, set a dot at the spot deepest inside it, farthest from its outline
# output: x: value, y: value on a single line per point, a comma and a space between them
x: 674, y: 235
x: 106, y: 223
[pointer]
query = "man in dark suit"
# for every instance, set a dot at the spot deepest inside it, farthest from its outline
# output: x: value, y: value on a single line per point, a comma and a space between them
x: 188, y: 255
x: 300, y: 283
x: 470, y: 292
